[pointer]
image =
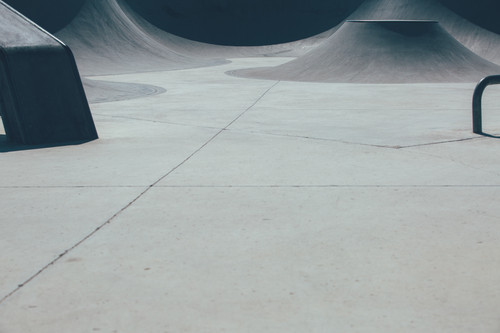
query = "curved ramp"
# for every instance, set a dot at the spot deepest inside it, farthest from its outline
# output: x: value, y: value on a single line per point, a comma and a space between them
x: 202, y: 50
x: 481, y: 41
x: 45, y: 16
x: 211, y: 51
x: 383, y: 52
x: 107, y: 39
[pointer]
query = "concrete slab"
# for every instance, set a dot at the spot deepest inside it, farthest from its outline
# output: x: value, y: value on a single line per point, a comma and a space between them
x: 242, y: 159
x: 202, y: 97
x: 379, y: 115
x: 41, y: 223
x: 270, y: 215
x: 130, y: 153
x: 278, y: 260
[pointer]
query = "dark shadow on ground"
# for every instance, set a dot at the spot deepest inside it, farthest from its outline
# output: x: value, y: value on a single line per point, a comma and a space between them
x: 6, y: 146
x: 107, y: 91
x: 494, y: 136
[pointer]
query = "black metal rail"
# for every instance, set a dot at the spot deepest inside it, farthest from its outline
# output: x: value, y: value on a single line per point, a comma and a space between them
x: 477, y: 112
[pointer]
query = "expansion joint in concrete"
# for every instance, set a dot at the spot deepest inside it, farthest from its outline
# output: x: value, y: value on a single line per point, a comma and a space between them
x: 337, y: 186
x: 304, y: 137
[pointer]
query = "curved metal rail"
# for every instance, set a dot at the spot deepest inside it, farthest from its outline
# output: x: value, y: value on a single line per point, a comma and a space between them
x: 477, y: 113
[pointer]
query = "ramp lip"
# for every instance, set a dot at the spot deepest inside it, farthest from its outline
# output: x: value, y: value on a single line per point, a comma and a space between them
x: 32, y: 23
x: 392, y: 21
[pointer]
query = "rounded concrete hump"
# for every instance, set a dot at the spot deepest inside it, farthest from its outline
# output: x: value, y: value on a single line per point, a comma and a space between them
x: 383, y: 51
x: 108, y: 38
x: 485, y: 43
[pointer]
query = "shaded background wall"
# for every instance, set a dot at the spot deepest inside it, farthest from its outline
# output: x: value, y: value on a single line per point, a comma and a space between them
x: 485, y: 13
x: 52, y: 15
x: 243, y: 22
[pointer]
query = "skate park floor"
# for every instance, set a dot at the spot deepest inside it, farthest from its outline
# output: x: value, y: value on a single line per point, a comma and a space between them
x: 226, y: 204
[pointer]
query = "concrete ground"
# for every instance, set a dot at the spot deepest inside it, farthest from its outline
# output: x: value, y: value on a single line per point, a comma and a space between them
x: 238, y: 205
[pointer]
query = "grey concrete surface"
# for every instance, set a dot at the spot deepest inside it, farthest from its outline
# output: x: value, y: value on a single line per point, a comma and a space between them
x: 230, y: 204
x: 213, y: 203
x: 264, y: 263
x: 384, y: 51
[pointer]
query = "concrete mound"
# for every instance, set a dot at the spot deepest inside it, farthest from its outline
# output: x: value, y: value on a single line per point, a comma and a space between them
x: 197, y: 49
x: 54, y: 21
x: 481, y: 41
x: 383, y: 52
x: 107, y: 38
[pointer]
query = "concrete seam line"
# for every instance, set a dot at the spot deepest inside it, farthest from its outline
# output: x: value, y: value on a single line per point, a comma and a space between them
x: 362, y: 186
x: 3, y: 299
x: 68, y: 186
x: 213, y: 137
x: 253, y: 104
x: 354, y: 143
x: 54, y: 261
x: 155, y: 121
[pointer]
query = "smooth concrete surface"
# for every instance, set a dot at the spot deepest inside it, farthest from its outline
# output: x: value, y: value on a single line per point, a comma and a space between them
x: 227, y: 204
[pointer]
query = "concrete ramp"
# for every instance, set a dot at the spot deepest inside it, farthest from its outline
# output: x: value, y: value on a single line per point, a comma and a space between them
x: 481, y: 41
x: 195, y: 49
x: 41, y: 96
x: 384, y: 52
x: 107, y: 38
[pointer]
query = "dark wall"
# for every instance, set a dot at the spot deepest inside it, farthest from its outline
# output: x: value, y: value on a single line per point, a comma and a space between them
x: 257, y: 22
x: 52, y: 15
x: 485, y: 13
x: 244, y: 22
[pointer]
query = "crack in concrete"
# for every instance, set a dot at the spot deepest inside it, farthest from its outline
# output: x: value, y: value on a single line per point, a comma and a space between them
x: 154, y: 121
x: 68, y: 186
x: 352, y: 142
x: 434, y: 186
x: 65, y: 252
x: 439, y: 142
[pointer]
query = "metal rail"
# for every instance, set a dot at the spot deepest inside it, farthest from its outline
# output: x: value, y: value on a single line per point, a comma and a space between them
x: 477, y: 112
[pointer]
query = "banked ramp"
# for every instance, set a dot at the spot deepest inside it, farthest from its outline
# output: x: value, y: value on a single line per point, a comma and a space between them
x: 383, y: 51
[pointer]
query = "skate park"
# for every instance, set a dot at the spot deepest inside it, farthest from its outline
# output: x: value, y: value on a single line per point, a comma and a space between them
x: 316, y: 175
